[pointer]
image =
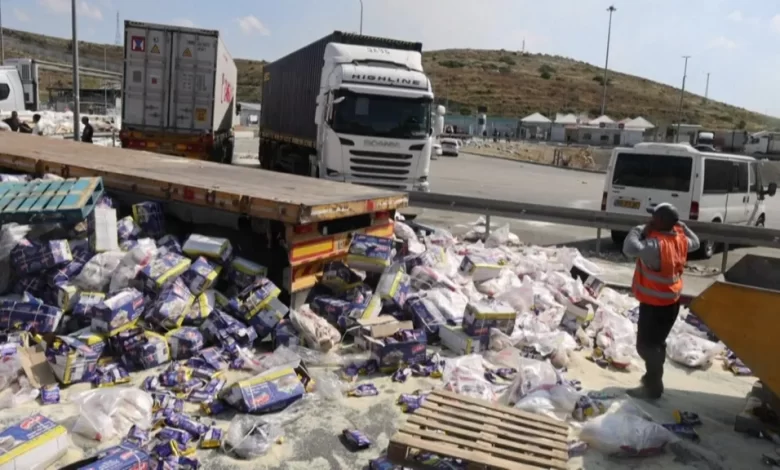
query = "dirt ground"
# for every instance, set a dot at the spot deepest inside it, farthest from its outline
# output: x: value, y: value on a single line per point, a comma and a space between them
x: 586, y: 158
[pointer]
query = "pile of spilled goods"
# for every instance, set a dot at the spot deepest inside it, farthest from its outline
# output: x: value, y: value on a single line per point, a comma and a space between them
x: 143, y: 333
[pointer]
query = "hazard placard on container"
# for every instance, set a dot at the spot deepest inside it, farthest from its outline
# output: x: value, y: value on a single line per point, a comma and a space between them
x: 155, y: 49
x: 186, y: 53
x: 138, y: 44
x: 200, y: 114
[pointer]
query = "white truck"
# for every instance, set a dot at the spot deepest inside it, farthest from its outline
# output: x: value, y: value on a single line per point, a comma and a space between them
x: 178, y: 92
x: 349, y: 108
x: 19, y: 85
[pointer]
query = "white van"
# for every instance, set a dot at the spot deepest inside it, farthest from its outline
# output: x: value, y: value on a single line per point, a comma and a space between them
x: 705, y: 186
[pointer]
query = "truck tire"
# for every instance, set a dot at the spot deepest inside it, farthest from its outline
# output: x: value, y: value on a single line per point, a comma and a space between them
x: 227, y: 153
x: 618, y: 238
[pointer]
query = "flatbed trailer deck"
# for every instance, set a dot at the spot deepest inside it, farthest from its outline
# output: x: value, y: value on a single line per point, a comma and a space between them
x: 293, y: 224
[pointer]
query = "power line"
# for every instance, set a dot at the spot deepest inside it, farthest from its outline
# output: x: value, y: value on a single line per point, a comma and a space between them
x: 118, y: 38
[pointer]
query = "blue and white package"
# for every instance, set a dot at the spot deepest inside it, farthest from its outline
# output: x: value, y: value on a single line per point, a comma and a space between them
x: 203, y: 305
x: 171, y: 306
x: 169, y: 244
x: 369, y: 253
x: 219, y: 324
x: 150, y: 217
x: 118, y: 312
x: 338, y: 277
x: 393, y: 287
x: 254, y: 298
x: 163, y: 270
x: 201, y: 275
x: 29, y: 257
x: 184, y: 342
x: 243, y: 272
x: 214, y: 248
x: 268, y: 317
x: 127, y: 229
x: 85, y: 302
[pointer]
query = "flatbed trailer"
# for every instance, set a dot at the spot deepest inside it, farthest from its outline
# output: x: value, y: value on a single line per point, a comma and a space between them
x: 291, y: 224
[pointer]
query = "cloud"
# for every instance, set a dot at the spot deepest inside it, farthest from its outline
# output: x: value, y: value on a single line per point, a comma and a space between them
x: 736, y: 16
x: 85, y: 9
x: 251, y: 25
x: 21, y: 15
x: 187, y: 23
x: 722, y: 42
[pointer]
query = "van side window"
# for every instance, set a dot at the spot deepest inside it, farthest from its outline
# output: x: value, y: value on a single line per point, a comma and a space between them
x: 753, y: 179
x: 740, y: 178
x: 718, y: 176
x: 5, y: 91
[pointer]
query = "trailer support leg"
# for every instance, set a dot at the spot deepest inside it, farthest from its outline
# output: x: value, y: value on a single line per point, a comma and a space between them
x: 598, y: 240
x: 725, y: 260
x: 487, y: 226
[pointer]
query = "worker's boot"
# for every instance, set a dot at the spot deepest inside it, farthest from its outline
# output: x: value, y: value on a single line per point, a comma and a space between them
x: 652, y: 387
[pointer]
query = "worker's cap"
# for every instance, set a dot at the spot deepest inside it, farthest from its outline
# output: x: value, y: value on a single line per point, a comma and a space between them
x: 667, y: 212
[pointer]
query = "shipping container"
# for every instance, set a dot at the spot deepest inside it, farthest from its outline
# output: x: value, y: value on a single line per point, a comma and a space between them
x: 178, y: 80
x: 291, y: 84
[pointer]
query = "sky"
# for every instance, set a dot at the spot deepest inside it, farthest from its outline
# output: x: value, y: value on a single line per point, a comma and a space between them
x: 733, y: 40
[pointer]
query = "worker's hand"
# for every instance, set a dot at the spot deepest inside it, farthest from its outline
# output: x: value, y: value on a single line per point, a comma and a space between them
x: 646, y: 230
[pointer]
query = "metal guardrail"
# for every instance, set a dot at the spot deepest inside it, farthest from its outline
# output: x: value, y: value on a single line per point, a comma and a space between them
x: 722, y: 233
x: 58, y: 67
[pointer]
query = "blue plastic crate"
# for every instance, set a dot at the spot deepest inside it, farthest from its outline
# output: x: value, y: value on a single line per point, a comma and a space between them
x: 46, y: 201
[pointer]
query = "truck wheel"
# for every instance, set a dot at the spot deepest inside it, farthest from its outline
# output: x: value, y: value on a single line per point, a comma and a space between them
x: 227, y: 152
x: 618, y: 238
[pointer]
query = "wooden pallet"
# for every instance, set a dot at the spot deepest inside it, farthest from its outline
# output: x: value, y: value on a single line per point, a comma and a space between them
x: 481, y: 434
x: 48, y: 201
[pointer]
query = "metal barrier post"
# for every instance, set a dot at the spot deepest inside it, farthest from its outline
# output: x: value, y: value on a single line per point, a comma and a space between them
x: 724, y: 261
x: 487, y: 226
x: 113, y: 137
x: 598, y: 240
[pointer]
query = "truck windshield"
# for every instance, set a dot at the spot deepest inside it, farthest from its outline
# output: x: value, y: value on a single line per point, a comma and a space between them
x: 381, y: 116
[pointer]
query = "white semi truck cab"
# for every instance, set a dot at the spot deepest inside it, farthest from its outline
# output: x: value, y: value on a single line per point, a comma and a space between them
x: 369, y: 104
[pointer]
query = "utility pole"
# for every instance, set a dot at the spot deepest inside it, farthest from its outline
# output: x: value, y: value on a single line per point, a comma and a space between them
x: 707, y: 88
x: 76, y: 86
x: 105, y: 83
x: 2, y: 39
x: 611, y: 10
x: 361, y: 17
x: 682, y: 95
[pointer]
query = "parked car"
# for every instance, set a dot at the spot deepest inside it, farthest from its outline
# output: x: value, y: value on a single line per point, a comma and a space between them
x: 450, y: 147
x: 436, y: 150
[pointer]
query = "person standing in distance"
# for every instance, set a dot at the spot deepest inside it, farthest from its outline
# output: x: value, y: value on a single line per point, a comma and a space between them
x: 661, y: 249
x: 86, y: 135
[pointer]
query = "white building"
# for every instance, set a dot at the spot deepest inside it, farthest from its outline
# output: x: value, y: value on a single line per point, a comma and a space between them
x: 564, y: 128
x: 249, y: 115
x: 536, y: 127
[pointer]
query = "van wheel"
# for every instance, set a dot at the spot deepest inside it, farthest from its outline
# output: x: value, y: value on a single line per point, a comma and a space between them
x: 618, y: 238
x: 707, y: 248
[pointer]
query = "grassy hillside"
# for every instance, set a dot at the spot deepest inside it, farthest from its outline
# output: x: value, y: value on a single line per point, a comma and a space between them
x: 509, y: 83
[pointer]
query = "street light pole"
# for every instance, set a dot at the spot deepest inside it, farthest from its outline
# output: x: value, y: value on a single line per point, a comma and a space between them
x: 682, y: 95
x: 611, y: 10
x: 707, y: 88
x: 361, y: 17
x: 2, y: 39
x: 76, y: 86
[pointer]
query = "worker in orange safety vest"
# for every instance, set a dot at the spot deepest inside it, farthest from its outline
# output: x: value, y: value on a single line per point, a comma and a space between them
x: 661, y: 249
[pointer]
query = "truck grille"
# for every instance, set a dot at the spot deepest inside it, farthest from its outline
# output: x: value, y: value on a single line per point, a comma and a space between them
x: 380, y: 165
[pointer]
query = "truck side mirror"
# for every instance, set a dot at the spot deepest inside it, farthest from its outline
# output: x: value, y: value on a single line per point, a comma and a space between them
x: 771, y: 189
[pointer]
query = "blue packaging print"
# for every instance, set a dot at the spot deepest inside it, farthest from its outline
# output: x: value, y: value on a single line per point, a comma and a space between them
x: 394, y: 343
x: 370, y: 253
x: 254, y: 298
x: 432, y: 257
x: 393, y: 287
x: 85, y: 302
x: 33, y: 285
x: 50, y: 394
x: 162, y: 271
x: 29, y: 257
x: 65, y: 296
x: 29, y: 316
x: 34, y: 442
x: 169, y: 244
x: 80, y: 250
x: 338, y: 277
x: 121, y: 457
x: 151, y: 351
x: 331, y: 307
x: 150, y: 217
x: 215, y: 248
x: 203, y: 305
x: 220, y: 323
x: 184, y: 342
x: 285, y: 335
x: 106, y: 201
x: 118, y: 312
x: 62, y: 275
x: 201, y: 275
x: 127, y: 229
x: 426, y: 316
x: 481, y: 316
x: 268, y: 317
x: 171, y: 306
x: 270, y: 391
x: 243, y: 272
x: 96, y: 341
x: 70, y: 360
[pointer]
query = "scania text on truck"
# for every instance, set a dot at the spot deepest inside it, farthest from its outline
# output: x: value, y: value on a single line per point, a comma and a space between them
x: 349, y: 108
x: 178, y: 92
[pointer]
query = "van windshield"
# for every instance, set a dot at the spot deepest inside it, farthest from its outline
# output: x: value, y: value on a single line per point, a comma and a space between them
x: 664, y: 172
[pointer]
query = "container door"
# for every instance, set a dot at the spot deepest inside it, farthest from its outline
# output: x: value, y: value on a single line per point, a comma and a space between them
x: 192, y: 92
x: 147, y: 69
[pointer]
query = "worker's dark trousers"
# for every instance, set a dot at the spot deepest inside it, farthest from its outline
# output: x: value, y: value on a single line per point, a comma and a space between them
x: 655, y: 323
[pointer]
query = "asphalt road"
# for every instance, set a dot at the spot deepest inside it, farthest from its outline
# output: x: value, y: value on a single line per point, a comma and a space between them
x: 497, y: 178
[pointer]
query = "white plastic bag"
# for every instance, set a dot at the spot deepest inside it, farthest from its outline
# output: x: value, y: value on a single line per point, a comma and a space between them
x: 131, y: 263
x: 249, y: 437
x: 692, y: 351
x: 501, y: 236
x: 97, y: 272
x: 451, y: 304
x: 10, y: 236
x: 531, y: 375
x: 18, y: 395
x: 505, y: 281
x: 466, y: 375
x: 106, y: 413
x: 622, y: 430
x: 557, y: 402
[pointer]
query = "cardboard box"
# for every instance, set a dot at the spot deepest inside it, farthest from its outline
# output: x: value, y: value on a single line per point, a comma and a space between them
x: 151, y: 351
x: 589, y: 279
x: 71, y: 360
x: 454, y: 339
x: 393, y: 287
x: 480, y: 268
x: 121, y: 457
x: 480, y: 317
x: 254, y: 298
x: 369, y: 253
x: 169, y: 244
x: 269, y: 316
x: 203, y: 305
x: 150, y: 217
x: 220, y: 323
x: 432, y: 257
x: 201, y: 275
x: 171, y: 306
x: 426, y: 316
x: 270, y: 391
x: 378, y: 336
x: 214, y: 248
x: 338, y: 277
x: 163, y: 270
x: 98, y: 342
x: 127, y: 229
x: 85, y: 303
x: 29, y: 315
x: 286, y: 335
x: 103, y: 230
x: 63, y: 274
x: 34, y: 443
x: 243, y: 272
x: 184, y: 342
x: 118, y: 312
x: 29, y: 257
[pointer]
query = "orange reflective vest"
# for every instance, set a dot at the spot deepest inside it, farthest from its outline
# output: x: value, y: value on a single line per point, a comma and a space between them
x: 662, y: 287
